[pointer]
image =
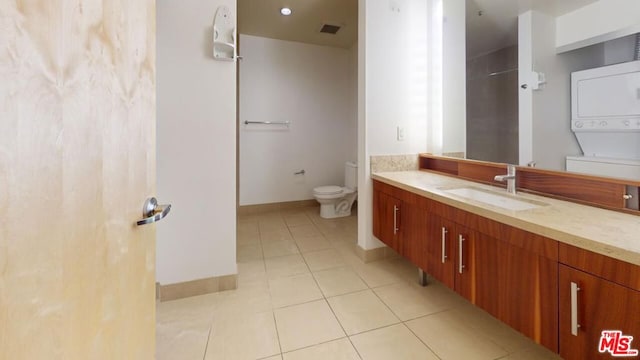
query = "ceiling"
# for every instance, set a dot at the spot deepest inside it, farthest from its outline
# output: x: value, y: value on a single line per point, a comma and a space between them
x: 498, y: 26
x: 262, y: 18
x: 495, y: 29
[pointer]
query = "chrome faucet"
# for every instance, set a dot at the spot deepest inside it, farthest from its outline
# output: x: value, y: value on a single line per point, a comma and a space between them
x: 510, y: 178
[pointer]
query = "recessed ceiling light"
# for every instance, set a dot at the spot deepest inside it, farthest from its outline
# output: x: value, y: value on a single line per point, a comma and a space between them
x: 285, y: 11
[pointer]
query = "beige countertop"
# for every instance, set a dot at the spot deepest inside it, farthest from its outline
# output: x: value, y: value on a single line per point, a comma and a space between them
x: 602, y: 231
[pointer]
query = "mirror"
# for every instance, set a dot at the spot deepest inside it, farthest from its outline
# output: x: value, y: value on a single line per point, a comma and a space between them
x: 521, y: 113
x: 492, y: 81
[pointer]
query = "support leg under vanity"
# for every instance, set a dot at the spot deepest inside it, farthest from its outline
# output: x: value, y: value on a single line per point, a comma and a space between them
x: 422, y: 277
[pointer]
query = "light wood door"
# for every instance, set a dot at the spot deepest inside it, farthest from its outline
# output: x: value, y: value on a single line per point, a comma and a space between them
x: 77, y: 161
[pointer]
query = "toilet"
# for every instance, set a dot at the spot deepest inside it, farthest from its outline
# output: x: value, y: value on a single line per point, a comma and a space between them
x: 336, y: 201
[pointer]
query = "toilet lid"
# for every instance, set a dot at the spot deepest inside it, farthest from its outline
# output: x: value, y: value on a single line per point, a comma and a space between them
x: 328, y: 190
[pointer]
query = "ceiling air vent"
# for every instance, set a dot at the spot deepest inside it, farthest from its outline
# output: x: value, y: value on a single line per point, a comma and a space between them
x: 329, y: 29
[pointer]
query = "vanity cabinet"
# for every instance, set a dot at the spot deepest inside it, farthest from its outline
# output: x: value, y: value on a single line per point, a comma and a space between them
x: 597, y: 294
x: 398, y: 221
x: 510, y: 273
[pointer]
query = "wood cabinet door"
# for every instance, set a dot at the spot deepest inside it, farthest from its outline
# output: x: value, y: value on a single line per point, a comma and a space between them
x: 519, y: 287
x: 413, y: 234
x: 465, y: 267
x: 600, y: 306
x: 377, y: 211
x: 439, y: 249
x: 387, y: 216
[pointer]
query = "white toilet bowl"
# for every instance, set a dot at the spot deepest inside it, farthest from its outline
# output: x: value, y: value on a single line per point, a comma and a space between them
x: 336, y: 201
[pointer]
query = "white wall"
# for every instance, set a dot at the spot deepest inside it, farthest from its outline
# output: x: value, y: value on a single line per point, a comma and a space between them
x: 551, y: 137
x: 196, y: 137
x: 352, y: 124
x: 601, y: 21
x: 393, y: 90
x: 309, y: 86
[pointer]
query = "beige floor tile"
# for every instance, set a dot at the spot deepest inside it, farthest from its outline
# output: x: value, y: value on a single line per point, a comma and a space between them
x: 299, y: 219
x: 323, y: 259
x: 252, y: 273
x: 191, y: 311
x: 275, y: 236
x: 304, y: 231
x: 248, y: 228
x: 339, y: 281
x: 243, y: 319
x: 182, y: 327
x: 284, y: 266
x: 462, y: 342
x: 176, y: 343
x: 348, y: 253
x: 293, y: 290
x: 412, y: 301
x: 393, y: 342
x: 249, y: 269
x: 279, y: 248
x: 254, y: 297
x: 307, y: 324
x: 377, y: 273
x: 242, y: 336
x: 274, y: 229
x: 334, y: 350
x: 314, y: 243
x: 403, y: 268
x: 249, y: 253
x: 248, y: 219
x: 252, y: 239
x: 483, y: 323
x: 341, y: 236
x: 361, y: 311
x: 536, y: 352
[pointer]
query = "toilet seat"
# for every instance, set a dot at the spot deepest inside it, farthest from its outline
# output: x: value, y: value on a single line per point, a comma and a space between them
x: 336, y: 201
x: 328, y: 190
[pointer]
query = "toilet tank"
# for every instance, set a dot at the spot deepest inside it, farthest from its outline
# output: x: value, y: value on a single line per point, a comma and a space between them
x: 351, y: 175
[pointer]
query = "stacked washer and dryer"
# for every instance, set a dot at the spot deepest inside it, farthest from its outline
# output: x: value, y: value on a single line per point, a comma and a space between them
x: 605, y: 117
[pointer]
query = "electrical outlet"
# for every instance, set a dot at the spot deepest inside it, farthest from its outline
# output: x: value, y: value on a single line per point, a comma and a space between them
x: 400, y: 133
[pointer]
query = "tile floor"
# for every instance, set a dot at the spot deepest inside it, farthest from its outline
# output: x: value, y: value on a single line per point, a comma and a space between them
x: 304, y: 294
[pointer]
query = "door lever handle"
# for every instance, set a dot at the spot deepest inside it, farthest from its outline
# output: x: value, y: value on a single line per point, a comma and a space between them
x: 152, y: 212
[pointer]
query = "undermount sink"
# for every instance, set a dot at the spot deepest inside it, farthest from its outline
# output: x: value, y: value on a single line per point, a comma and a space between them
x: 505, y: 201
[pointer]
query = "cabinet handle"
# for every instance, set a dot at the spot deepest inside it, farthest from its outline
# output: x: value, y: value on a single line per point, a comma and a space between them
x: 395, y: 219
x: 444, y: 244
x: 460, y: 264
x: 574, y: 309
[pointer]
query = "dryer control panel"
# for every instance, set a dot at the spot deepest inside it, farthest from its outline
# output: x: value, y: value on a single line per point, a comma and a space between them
x: 604, y: 125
